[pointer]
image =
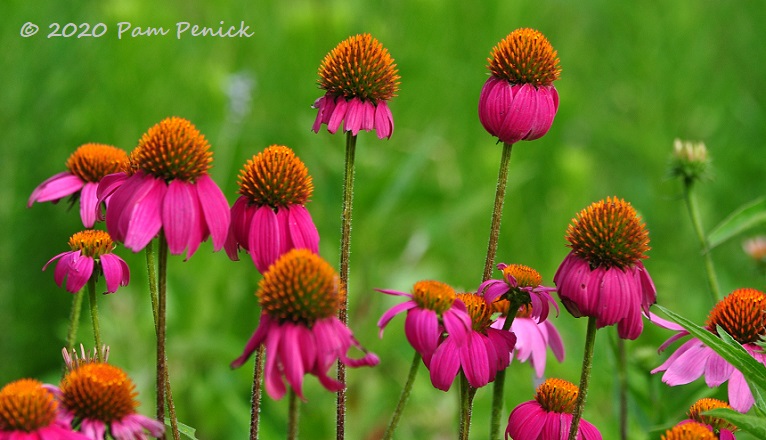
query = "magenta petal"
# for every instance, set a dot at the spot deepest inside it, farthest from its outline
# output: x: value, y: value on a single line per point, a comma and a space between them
x: 688, y: 367
x: 368, y: 120
x: 717, y: 371
x: 238, y: 228
x: 354, y: 116
x: 264, y: 238
x: 63, y: 266
x: 80, y: 271
x: 384, y: 120
x: 303, y: 233
x: 275, y: 387
x: 444, y: 366
x: 179, y: 215
x: 545, y: 113
x: 526, y: 421
x: 494, y: 103
x: 56, y: 187
x: 144, y: 217
x: 389, y: 314
x: 259, y: 335
x: 88, y: 204
x: 458, y: 325
x: 320, y: 105
x: 116, y: 272
x: 422, y: 330
x: 520, y: 117
x: 215, y: 208
x: 283, y: 229
x: 338, y: 115
x: 740, y: 396
x: 291, y: 357
x: 120, y: 205
x: 475, y: 360
x: 554, y: 341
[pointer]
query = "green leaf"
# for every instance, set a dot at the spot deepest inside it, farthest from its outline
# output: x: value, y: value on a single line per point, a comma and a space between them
x: 743, y: 218
x: 729, y: 349
x: 186, y: 430
x: 753, y: 424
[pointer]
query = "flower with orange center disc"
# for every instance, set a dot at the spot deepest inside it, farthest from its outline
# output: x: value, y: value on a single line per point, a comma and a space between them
x: 519, y: 101
x: 689, y: 431
x: 90, y: 255
x: 433, y: 308
x: 360, y: 77
x: 724, y: 429
x: 742, y: 314
x: 486, y: 351
x: 521, y: 285
x: 269, y: 218
x: 299, y: 297
x: 85, y: 169
x: 167, y: 187
x: 603, y: 276
x: 101, y: 399
x: 549, y: 415
x: 28, y: 410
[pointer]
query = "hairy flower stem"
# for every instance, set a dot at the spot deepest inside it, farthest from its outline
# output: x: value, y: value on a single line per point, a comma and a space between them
x: 497, y: 211
x: 691, y: 204
x: 292, y: 418
x: 74, y: 320
x: 389, y: 434
x: 467, y: 392
x: 151, y: 272
x: 622, y: 375
x: 587, y: 363
x: 255, y: 405
x: 94, y: 316
x: 345, y: 251
x: 498, y: 387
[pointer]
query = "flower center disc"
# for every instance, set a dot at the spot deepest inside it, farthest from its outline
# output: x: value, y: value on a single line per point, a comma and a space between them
x: 525, y: 56
x: 26, y: 406
x: 433, y: 295
x: 741, y: 314
x: 91, y: 162
x: 689, y: 431
x: 92, y: 242
x: 173, y: 149
x: 557, y: 395
x: 275, y: 177
x: 525, y: 276
x: 706, y: 404
x: 99, y: 391
x: 480, y: 313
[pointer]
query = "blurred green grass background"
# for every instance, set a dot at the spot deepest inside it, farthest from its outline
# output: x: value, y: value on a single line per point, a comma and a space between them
x: 635, y: 76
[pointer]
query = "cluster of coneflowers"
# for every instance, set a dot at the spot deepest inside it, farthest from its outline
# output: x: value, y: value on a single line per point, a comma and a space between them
x: 160, y: 199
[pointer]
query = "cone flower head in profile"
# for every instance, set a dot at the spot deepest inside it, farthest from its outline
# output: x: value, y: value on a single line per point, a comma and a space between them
x: 519, y: 101
x: 521, y: 285
x: 270, y: 218
x: 689, y: 431
x: 359, y: 77
x: 603, y: 275
x: 722, y: 428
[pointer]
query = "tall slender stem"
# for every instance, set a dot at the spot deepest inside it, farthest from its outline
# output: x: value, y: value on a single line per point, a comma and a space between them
x: 499, y: 385
x: 74, y: 320
x: 691, y: 204
x: 389, y: 434
x: 622, y: 374
x: 255, y: 405
x: 151, y: 272
x: 94, y: 316
x: 345, y: 251
x: 293, y: 414
x: 467, y: 392
x: 587, y: 363
x: 497, y: 211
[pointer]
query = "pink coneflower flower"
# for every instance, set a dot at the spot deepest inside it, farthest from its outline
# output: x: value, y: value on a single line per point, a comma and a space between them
x: 90, y: 256
x: 360, y: 77
x: 433, y: 308
x: 167, y: 188
x: 521, y: 285
x: 741, y: 314
x: 689, y: 431
x: 603, y: 276
x: 549, y: 415
x: 269, y: 218
x: 486, y: 351
x: 299, y: 297
x: 86, y: 167
x: 100, y: 399
x: 29, y: 411
x: 722, y: 428
x: 519, y: 101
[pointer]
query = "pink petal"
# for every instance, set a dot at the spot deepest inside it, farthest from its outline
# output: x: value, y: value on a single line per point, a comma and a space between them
x: 554, y: 341
x: 259, y: 335
x: 264, y: 238
x: 303, y: 233
x: 384, y: 120
x: 80, y: 271
x: 144, y: 217
x: 475, y: 360
x: 354, y: 116
x: 291, y: 357
x: 179, y: 215
x: 740, y: 396
x: 422, y: 330
x: 241, y: 215
x: 458, y: 325
x: 338, y: 114
x: 393, y: 311
x: 494, y: 101
x: 688, y: 367
x: 520, y: 117
x: 526, y: 421
x: 88, y: 204
x: 215, y: 208
x: 116, y: 272
x: 444, y: 365
x: 275, y: 387
x: 56, y: 187
x: 546, y: 111
x: 120, y: 203
x: 368, y: 120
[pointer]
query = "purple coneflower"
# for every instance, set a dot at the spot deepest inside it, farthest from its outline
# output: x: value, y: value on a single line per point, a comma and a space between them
x: 532, y: 337
x: 86, y: 167
x: 299, y: 297
x: 521, y: 285
x: 269, y: 218
x: 360, y: 77
x: 433, y: 308
x: 689, y: 431
x: 549, y: 415
x: 519, y: 101
x: 90, y: 256
x: 742, y: 315
x: 603, y: 276
x: 722, y: 428
x: 167, y: 188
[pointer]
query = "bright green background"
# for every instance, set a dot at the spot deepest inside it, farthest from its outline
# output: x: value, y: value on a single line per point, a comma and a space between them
x: 635, y: 76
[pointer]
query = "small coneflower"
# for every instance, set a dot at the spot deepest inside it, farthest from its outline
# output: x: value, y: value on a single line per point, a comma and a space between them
x: 29, y: 411
x: 72, y: 359
x: 603, y: 275
x: 168, y: 188
x: 519, y: 101
x: 690, y: 161
x: 486, y: 351
x: 90, y: 255
x: 549, y: 415
x: 85, y: 169
x: 689, y: 431
x: 520, y: 285
x: 299, y: 297
x: 755, y: 247
x: 742, y: 314
x: 270, y: 218
x: 724, y: 429
x: 100, y: 399
x: 359, y: 77
x: 432, y: 309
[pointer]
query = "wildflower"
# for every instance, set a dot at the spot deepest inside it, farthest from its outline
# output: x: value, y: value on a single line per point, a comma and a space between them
x: 756, y: 248
x: 433, y: 308
x: 724, y: 429
x: 29, y: 411
x: 521, y: 285
x: 85, y: 169
x: 90, y: 256
x: 359, y: 77
x: 741, y: 314
x: 519, y: 101
x: 167, y: 187
x: 690, y: 161
x: 73, y: 360
x: 299, y: 298
x: 603, y: 276
x: 269, y: 218
x: 485, y: 352
x: 689, y: 431
x: 549, y: 415
x: 101, y: 399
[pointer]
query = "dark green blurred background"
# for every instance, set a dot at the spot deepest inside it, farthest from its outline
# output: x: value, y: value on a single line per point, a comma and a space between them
x: 635, y: 76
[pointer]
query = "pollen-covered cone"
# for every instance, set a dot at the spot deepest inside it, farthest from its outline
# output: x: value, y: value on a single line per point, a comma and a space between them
x: 29, y: 411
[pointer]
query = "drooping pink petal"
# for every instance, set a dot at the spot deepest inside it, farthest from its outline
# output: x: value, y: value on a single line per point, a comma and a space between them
x: 546, y: 111
x: 275, y: 387
x: 258, y: 337
x: 354, y: 116
x: 303, y: 233
x: 494, y: 102
x: 93, y: 429
x: 444, y: 366
x: 384, y: 121
x: 393, y: 311
x: 589, y: 432
x: 63, y: 266
x: 264, y: 238
x: 368, y: 119
x: 492, y: 290
x: 80, y: 271
x: 475, y: 360
x: 116, y: 272
x: 88, y: 204
x: 501, y: 343
x: 520, y: 117
x: 144, y: 216
x: 458, y: 324
x: 717, y: 371
x: 338, y: 114
x: 283, y: 229
x: 554, y: 426
x: 119, y: 207
x: 239, y: 228
x: 740, y: 396
x: 554, y: 341
x: 320, y: 105
x: 55, y: 258
x: 215, y: 208
x: 688, y: 367
x: 56, y: 187
x: 291, y: 357
x: 422, y: 330
x: 179, y: 215
x: 526, y: 421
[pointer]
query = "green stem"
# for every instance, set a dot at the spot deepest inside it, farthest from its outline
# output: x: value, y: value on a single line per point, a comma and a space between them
x: 389, y: 434
x: 151, y: 272
x: 294, y: 412
x: 499, y: 385
x: 587, y: 363
x: 94, y: 316
x: 691, y: 204
x: 74, y: 320
x: 467, y: 393
x: 622, y: 375
x: 161, y: 326
x: 345, y: 251
x: 497, y: 211
x: 255, y: 405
